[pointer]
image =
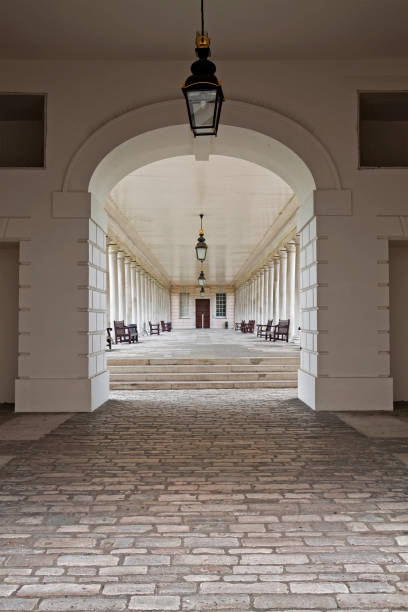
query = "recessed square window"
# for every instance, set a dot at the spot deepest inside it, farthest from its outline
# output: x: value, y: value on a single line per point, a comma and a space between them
x: 383, y: 129
x: 22, y: 130
x: 221, y: 305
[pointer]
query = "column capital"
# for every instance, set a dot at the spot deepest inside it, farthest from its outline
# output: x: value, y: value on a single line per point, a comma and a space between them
x: 121, y: 254
x: 127, y: 259
x: 271, y: 263
x: 291, y: 246
x: 283, y: 253
x: 112, y: 247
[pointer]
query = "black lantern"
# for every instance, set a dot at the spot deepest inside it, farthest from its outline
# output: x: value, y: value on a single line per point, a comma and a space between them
x: 201, y: 279
x: 201, y: 247
x: 202, y: 90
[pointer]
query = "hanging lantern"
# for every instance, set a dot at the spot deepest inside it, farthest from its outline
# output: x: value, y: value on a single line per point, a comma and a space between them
x: 201, y: 247
x: 202, y: 90
x: 201, y: 279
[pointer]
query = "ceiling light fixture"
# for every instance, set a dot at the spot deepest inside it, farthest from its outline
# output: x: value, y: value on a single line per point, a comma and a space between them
x: 202, y: 90
x: 201, y: 247
x: 201, y: 279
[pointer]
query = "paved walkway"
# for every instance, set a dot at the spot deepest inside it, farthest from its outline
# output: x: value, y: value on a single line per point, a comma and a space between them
x: 215, y: 500
x: 205, y: 343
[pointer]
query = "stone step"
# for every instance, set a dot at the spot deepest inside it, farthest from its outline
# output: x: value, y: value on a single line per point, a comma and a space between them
x: 211, y: 384
x: 169, y: 369
x: 134, y: 361
x: 202, y: 376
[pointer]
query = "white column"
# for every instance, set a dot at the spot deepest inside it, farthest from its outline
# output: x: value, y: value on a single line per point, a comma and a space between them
x: 128, y: 289
x: 253, y: 299
x: 121, y: 286
x: 261, y: 296
x: 266, y: 294
x: 138, y: 299
x: 291, y: 288
x: 271, y: 289
x: 283, y: 284
x: 113, y: 284
x: 277, y: 312
x: 133, y: 292
x: 143, y: 320
x: 149, y: 298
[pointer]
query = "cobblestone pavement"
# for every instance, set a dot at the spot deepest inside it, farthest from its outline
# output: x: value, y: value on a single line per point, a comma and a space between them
x: 205, y: 500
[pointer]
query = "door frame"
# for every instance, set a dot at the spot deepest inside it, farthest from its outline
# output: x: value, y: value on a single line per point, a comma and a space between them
x: 195, y: 311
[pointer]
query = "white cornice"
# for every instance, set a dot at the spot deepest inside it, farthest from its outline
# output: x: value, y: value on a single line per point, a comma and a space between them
x: 122, y: 233
x: 282, y: 230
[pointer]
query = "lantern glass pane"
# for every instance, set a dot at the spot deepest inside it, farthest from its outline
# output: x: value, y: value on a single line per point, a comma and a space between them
x: 202, y: 107
x: 201, y: 253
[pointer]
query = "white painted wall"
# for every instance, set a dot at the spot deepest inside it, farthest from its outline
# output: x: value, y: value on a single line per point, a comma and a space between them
x: 399, y: 319
x: 8, y: 320
x: 346, y: 257
x: 210, y: 293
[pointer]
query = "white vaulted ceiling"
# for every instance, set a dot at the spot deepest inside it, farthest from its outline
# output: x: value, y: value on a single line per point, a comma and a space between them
x: 240, y: 200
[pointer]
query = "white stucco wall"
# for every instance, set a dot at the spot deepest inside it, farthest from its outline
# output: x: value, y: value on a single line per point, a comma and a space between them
x: 399, y: 319
x: 210, y: 293
x: 348, y: 253
x: 8, y: 320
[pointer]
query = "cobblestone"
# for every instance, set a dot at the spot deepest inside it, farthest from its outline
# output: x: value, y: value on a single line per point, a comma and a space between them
x: 205, y: 500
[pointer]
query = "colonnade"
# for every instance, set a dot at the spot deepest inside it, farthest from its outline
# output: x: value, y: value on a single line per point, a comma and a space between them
x: 134, y: 295
x: 273, y: 291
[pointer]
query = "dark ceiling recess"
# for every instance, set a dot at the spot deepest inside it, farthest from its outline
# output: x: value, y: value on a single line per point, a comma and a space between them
x: 383, y: 129
x: 22, y: 130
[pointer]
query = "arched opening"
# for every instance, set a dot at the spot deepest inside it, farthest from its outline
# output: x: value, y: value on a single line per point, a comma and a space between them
x: 236, y: 142
x: 145, y: 135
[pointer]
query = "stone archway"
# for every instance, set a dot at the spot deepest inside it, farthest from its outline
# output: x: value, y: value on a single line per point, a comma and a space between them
x: 254, y: 133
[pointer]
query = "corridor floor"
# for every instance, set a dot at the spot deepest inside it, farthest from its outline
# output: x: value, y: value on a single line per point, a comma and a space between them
x: 204, y: 500
x: 204, y: 343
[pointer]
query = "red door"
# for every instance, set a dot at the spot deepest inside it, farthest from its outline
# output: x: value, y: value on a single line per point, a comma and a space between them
x: 202, y: 314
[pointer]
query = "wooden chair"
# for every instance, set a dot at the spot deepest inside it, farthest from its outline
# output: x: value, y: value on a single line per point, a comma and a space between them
x: 121, y: 332
x: 133, y: 333
x: 280, y: 331
x: 165, y: 326
x: 154, y: 328
x: 169, y: 326
x: 262, y: 329
x: 249, y: 327
x: 238, y: 326
x: 109, y: 338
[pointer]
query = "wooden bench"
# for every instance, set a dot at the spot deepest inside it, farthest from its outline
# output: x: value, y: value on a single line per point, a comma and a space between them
x: 262, y: 329
x: 121, y: 332
x: 279, y: 331
x: 133, y: 333
x: 109, y: 338
x: 154, y: 328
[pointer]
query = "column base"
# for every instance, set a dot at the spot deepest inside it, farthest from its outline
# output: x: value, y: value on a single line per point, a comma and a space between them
x: 61, y: 395
x: 345, y: 394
